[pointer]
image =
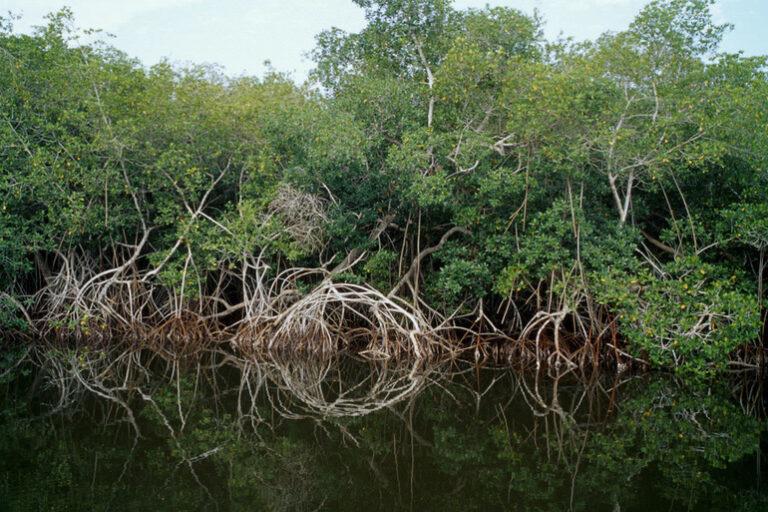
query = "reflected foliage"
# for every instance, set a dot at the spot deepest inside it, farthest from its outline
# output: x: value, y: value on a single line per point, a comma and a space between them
x: 458, y: 439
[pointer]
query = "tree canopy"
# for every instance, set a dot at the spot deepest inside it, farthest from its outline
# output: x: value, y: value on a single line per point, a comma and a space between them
x: 453, y: 159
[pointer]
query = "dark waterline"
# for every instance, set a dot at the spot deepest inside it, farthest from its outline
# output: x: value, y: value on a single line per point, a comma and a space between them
x: 348, y: 435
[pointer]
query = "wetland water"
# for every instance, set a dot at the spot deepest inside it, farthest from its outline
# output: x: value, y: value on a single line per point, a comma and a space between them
x: 343, y: 434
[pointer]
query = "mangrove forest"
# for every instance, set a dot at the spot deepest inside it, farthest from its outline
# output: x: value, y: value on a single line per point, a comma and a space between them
x: 445, y: 179
x: 461, y: 266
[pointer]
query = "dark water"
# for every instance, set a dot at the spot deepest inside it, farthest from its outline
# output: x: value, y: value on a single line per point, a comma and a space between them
x: 347, y: 435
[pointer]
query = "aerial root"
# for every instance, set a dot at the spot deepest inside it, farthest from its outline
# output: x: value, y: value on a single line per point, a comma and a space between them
x: 336, y: 316
x: 243, y: 307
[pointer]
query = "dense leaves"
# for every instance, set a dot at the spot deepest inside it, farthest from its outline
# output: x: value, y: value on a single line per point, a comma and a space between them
x: 614, y: 183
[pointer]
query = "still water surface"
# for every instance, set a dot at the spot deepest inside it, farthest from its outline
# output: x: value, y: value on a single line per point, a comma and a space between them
x: 349, y: 435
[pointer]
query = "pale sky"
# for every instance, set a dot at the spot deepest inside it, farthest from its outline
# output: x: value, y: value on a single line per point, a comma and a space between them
x: 241, y: 34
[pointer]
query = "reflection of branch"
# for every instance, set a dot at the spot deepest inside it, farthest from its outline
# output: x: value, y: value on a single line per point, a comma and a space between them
x: 116, y: 484
x: 301, y: 389
x: 108, y: 394
x: 22, y: 359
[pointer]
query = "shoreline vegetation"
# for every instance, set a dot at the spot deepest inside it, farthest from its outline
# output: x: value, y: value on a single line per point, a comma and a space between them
x: 445, y: 182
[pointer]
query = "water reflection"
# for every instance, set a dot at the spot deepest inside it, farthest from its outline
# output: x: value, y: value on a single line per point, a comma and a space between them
x: 140, y: 433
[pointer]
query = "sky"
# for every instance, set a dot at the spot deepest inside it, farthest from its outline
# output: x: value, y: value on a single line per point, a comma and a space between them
x: 240, y: 35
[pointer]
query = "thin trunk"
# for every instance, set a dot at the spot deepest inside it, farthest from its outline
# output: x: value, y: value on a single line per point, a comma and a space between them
x: 623, y: 205
x: 760, y: 299
x: 430, y: 80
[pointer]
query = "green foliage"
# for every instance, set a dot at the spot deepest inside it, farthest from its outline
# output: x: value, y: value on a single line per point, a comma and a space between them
x: 747, y: 223
x: 10, y: 315
x: 690, y: 316
x: 461, y: 281
x: 609, y: 172
x: 380, y: 268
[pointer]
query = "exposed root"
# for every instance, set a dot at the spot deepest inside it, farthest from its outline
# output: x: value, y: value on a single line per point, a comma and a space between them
x: 335, y: 316
x: 243, y: 303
